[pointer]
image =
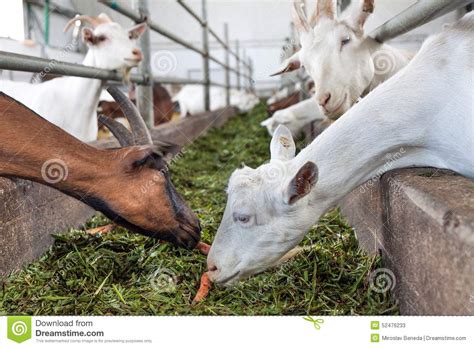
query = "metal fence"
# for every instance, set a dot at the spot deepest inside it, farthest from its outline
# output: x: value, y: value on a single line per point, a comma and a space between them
x: 421, y: 12
x: 144, y: 78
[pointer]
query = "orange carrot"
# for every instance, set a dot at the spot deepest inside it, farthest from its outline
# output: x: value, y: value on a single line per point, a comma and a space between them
x: 204, y: 288
x: 203, y: 248
x: 101, y: 230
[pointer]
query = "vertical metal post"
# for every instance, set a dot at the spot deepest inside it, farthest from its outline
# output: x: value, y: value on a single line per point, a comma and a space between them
x: 46, y: 22
x: 244, y: 59
x: 303, y: 92
x: 205, y: 42
x: 227, y: 62
x: 237, y: 52
x: 145, y: 91
x: 251, y: 74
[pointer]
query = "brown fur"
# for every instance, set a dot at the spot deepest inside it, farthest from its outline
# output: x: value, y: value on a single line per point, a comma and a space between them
x: 130, y: 185
x: 283, y: 104
x: 163, y: 106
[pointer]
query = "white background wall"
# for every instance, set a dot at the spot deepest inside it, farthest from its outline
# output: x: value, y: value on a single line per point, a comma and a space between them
x: 260, y: 25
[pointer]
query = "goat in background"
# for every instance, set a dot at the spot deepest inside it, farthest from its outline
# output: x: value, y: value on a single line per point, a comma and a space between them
x: 70, y: 102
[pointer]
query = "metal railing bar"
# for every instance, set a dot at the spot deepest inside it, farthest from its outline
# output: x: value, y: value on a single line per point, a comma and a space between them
x: 20, y: 62
x: 133, y: 15
x: 191, y: 12
x: 420, y: 13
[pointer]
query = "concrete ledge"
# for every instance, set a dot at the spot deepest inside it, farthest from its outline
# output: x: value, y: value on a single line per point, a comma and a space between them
x: 31, y: 212
x: 422, y: 223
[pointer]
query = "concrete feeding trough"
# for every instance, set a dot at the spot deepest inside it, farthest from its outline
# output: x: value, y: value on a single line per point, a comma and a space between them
x: 31, y: 212
x: 421, y: 221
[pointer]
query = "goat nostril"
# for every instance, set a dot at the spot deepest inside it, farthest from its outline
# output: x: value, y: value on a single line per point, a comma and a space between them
x: 137, y: 53
x: 325, y: 99
x: 212, y: 268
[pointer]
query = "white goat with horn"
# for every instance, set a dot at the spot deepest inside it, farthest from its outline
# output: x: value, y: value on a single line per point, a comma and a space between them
x: 71, y: 102
x: 424, y: 112
x: 343, y: 63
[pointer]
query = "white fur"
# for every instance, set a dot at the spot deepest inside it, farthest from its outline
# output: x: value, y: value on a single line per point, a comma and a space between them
x: 191, y: 99
x: 425, y: 113
x: 283, y: 93
x: 71, y: 102
x: 345, y: 71
x: 294, y: 117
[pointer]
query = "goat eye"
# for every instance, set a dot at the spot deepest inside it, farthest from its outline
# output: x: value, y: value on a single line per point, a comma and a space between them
x: 242, y: 218
x: 101, y: 38
x: 345, y: 41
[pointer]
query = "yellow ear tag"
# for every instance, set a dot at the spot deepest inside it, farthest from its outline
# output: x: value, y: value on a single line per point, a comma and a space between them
x: 285, y: 142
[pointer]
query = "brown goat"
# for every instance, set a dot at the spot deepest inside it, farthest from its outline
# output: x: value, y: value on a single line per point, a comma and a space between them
x: 283, y: 103
x: 130, y: 185
x: 163, y: 106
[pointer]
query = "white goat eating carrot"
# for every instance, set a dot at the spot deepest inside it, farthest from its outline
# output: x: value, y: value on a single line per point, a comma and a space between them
x: 426, y: 110
x: 71, y: 102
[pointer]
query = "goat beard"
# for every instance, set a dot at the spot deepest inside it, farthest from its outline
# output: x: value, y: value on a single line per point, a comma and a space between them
x: 126, y: 75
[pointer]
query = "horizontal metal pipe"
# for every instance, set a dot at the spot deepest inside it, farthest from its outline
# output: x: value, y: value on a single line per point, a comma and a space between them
x: 219, y: 40
x: 133, y: 15
x: 191, y: 12
x: 416, y: 15
x: 124, y: 10
x: 54, y: 8
x: 177, y: 80
x: 236, y: 56
x: 19, y: 62
x: 155, y: 27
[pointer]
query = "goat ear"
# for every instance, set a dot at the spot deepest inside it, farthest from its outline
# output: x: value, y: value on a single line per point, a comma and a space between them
x: 289, y: 64
x: 324, y: 8
x: 302, y: 183
x: 282, y: 146
x: 136, y: 31
x: 268, y: 123
x: 88, y: 36
x: 168, y: 150
x: 358, y: 12
x: 138, y: 156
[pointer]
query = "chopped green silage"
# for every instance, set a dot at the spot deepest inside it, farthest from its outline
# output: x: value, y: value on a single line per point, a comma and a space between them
x: 122, y: 273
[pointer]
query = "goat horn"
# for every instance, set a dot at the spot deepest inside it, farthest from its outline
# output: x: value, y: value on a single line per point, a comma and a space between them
x: 94, y: 21
x: 140, y: 132
x: 119, y: 131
